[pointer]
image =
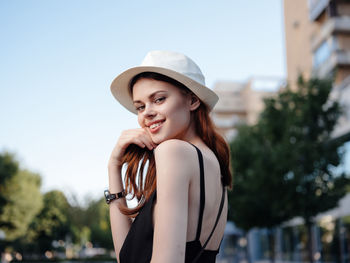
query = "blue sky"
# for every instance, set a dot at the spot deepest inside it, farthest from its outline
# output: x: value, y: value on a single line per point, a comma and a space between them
x: 58, y: 58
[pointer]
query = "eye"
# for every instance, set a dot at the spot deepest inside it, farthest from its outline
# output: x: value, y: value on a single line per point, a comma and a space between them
x: 159, y: 100
x: 139, y: 108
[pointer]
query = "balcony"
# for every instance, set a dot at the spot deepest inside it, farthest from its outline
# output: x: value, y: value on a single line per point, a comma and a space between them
x: 316, y: 8
x: 229, y: 122
x: 339, y: 24
x: 230, y: 102
x: 341, y: 93
x: 328, y: 64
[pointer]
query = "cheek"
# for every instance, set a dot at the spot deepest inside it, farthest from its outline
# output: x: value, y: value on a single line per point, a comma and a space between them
x: 178, y: 107
x: 140, y: 120
x: 180, y: 115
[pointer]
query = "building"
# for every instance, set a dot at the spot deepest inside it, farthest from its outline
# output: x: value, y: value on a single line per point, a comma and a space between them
x: 330, y: 235
x: 298, y: 30
x: 241, y: 102
x: 317, y: 34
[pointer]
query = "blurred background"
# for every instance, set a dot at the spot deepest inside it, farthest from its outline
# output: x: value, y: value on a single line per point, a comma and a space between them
x: 280, y: 68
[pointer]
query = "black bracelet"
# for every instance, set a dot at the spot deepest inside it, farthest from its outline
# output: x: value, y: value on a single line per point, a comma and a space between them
x: 110, y: 197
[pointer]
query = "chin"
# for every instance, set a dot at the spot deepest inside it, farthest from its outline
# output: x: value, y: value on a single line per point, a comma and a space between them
x: 158, y: 140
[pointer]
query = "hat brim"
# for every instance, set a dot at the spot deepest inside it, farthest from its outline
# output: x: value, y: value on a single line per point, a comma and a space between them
x: 120, y: 86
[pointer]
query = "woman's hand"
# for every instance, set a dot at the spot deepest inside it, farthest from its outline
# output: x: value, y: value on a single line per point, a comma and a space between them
x: 139, y: 136
x: 121, y: 223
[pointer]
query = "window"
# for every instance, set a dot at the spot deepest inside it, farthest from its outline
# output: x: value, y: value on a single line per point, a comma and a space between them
x: 323, y: 52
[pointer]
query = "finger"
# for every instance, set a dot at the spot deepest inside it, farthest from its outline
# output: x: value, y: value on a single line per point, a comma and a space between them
x: 139, y: 137
x: 150, y: 145
x: 139, y: 143
x: 148, y: 135
x: 148, y: 142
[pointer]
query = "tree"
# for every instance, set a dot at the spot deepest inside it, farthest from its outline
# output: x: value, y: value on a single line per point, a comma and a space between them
x: 283, y: 165
x: 8, y: 168
x: 23, y: 202
x: 20, y: 199
x: 90, y: 222
x: 79, y: 230
x: 32, y: 221
x: 51, y: 223
x: 98, y: 220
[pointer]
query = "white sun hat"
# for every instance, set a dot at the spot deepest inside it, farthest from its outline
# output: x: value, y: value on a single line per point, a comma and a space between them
x: 174, y: 65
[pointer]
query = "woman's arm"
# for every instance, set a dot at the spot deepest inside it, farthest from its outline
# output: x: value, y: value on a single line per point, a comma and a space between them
x: 120, y: 223
x: 175, y: 161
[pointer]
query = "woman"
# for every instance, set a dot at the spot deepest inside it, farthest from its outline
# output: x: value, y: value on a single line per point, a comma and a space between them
x: 182, y: 209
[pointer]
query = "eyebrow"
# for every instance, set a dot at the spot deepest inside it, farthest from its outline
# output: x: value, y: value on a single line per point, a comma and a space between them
x: 150, y: 96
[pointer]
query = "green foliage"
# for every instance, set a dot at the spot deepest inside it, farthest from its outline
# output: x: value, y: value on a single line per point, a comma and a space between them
x: 79, y: 229
x: 24, y: 201
x: 98, y: 215
x: 91, y: 223
x: 8, y: 168
x: 51, y: 223
x: 256, y: 182
x: 32, y: 221
x: 283, y: 164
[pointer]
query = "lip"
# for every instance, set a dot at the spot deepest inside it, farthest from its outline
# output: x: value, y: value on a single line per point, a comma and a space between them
x: 156, y: 129
x: 153, y: 122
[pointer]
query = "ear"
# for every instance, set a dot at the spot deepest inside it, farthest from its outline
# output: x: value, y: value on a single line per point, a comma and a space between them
x: 195, y: 102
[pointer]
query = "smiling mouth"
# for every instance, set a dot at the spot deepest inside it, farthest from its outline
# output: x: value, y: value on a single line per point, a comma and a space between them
x: 155, y: 126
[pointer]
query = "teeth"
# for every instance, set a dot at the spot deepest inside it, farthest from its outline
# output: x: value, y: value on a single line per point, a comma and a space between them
x: 155, y: 125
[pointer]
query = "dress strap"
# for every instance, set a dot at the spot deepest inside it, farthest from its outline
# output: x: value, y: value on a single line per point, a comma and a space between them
x: 212, y: 231
x: 218, y: 216
x: 202, y: 193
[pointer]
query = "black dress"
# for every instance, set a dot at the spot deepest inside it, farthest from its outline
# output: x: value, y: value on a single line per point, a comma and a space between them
x: 138, y: 244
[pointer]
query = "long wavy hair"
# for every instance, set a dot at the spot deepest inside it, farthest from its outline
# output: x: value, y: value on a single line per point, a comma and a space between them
x: 141, y: 185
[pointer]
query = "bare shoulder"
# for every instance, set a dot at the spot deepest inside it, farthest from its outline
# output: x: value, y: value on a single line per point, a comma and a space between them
x: 177, y: 154
x: 174, y: 149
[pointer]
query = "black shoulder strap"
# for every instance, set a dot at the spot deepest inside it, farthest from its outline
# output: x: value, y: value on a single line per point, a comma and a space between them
x: 217, y: 217
x: 202, y: 202
x: 202, y: 193
x: 216, y: 222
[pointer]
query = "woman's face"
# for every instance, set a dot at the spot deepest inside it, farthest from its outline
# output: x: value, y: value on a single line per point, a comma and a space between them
x: 163, y: 109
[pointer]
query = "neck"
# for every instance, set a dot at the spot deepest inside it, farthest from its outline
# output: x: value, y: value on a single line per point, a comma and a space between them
x: 191, y: 136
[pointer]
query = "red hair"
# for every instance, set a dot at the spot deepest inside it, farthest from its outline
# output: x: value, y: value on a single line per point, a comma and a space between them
x: 142, y: 186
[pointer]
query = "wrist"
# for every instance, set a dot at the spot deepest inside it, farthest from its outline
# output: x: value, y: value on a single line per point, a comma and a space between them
x: 114, y: 165
x: 115, y: 178
x: 109, y: 197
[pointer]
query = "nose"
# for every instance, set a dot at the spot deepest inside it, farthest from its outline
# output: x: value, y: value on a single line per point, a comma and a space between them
x: 149, y: 111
